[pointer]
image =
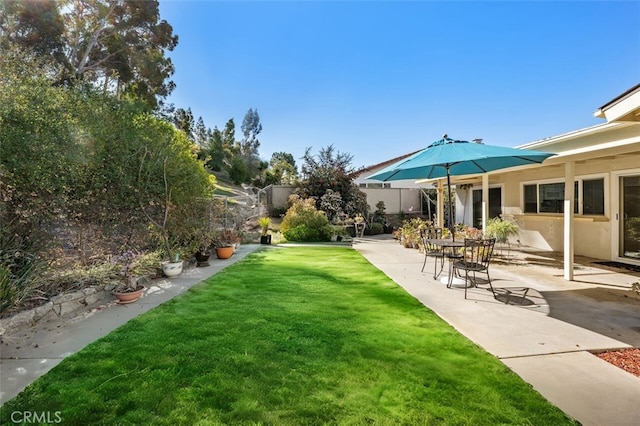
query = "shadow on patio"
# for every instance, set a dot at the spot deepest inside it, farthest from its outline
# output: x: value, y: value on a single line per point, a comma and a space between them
x: 535, y: 281
x: 611, y: 312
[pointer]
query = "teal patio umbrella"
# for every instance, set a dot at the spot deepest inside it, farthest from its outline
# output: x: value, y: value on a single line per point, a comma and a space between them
x: 449, y: 157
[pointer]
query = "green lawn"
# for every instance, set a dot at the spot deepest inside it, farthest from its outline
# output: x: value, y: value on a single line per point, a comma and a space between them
x: 288, y: 336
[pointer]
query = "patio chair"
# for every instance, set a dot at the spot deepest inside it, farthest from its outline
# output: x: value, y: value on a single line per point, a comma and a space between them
x: 432, y: 250
x: 476, y: 260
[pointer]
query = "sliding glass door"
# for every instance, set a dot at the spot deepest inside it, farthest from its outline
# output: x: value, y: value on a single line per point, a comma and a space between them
x: 630, y: 217
x: 495, y: 205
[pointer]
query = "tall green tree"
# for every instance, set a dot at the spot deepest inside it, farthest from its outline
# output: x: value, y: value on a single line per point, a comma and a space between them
x: 229, y: 143
x: 200, y: 133
x: 36, y: 24
x: 116, y: 45
x: 214, y: 150
x: 183, y: 120
x: 251, y: 128
x: 282, y: 170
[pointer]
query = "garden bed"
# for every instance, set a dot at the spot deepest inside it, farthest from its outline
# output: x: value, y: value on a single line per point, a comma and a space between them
x: 627, y: 359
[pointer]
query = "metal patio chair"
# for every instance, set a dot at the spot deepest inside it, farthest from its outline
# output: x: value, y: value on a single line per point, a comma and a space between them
x: 432, y: 250
x: 476, y: 260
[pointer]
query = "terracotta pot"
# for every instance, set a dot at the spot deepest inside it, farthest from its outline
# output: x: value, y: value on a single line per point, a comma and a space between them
x: 224, y: 252
x: 130, y: 296
x: 171, y: 269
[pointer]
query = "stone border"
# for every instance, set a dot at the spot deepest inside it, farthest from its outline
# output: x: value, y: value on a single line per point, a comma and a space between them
x: 58, y: 306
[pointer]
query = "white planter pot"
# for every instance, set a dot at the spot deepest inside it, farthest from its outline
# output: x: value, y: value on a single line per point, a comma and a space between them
x: 171, y: 269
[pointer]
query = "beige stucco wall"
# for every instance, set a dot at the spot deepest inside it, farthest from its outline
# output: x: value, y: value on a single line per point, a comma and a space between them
x: 280, y: 194
x: 396, y: 200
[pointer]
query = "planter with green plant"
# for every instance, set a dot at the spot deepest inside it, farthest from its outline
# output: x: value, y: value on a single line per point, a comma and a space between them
x: 264, y: 223
x: 501, y: 230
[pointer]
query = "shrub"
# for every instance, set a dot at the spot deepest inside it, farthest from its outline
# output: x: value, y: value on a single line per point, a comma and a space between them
x: 313, y: 224
x: 331, y: 203
x: 380, y: 215
x: 410, y: 231
x: 277, y: 212
x: 304, y: 233
x: 19, y: 271
x: 376, y: 228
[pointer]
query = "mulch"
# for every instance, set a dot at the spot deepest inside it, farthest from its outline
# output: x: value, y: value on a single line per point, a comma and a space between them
x: 627, y: 359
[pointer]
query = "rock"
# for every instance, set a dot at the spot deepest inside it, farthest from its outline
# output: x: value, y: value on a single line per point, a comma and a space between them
x: 42, y: 311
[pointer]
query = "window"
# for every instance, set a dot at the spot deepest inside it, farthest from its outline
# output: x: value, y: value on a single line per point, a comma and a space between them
x: 531, y: 198
x: 374, y: 185
x: 549, y: 197
x: 593, y: 196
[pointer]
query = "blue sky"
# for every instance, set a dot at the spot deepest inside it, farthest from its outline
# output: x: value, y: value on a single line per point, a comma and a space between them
x: 382, y: 79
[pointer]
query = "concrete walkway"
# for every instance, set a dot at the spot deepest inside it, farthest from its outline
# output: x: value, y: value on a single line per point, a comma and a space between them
x: 547, y: 340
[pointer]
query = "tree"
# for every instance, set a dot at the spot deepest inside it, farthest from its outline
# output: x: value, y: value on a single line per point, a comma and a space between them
x: 183, y: 120
x: 235, y: 162
x: 281, y: 170
x: 279, y: 158
x: 200, y: 133
x: 251, y: 128
x: 238, y: 171
x: 331, y: 169
x: 229, y: 143
x: 214, y: 150
x: 80, y: 167
x: 117, y: 45
x: 36, y: 24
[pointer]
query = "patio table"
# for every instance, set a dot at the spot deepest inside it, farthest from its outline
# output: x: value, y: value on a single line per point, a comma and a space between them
x: 449, y: 248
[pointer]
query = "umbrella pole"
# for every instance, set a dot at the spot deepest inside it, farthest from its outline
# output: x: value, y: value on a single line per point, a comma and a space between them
x: 451, y: 226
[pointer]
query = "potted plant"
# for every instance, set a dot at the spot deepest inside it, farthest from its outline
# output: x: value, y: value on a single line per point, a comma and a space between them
x: 224, y: 244
x: 204, y: 240
x: 501, y: 230
x: 128, y: 289
x: 264, y: 223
